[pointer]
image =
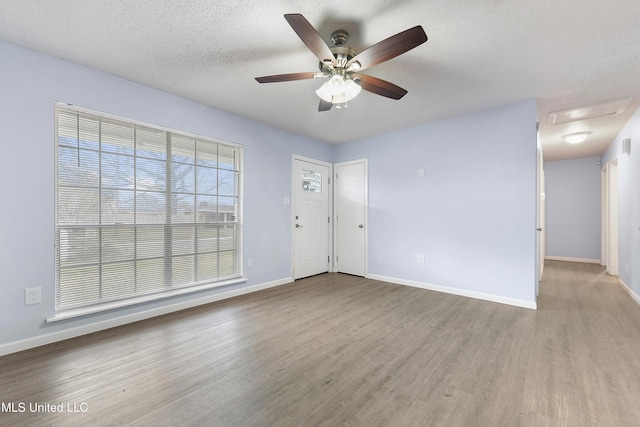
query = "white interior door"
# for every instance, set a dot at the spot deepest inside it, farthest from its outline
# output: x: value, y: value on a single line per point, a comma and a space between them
x: 311, y: 216
x: 540, y: 202
x: 351, y: 217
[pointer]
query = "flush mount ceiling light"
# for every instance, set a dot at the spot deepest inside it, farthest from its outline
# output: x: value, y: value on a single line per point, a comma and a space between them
x: 576, y: 138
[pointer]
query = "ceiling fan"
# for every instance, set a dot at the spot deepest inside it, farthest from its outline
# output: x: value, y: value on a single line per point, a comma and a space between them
x: 341, y: 64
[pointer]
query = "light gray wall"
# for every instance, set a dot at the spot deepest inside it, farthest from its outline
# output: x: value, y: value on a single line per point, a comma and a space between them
x: 473, y: 214
x: 30, y: 83
x: 572, y: 190
x: 629, y: 202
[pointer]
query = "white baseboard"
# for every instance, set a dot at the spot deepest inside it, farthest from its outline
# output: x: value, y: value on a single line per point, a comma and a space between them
x: 568, y: 259
x: 628, y: 290
x: 14, y: 347
x: 455, y: 291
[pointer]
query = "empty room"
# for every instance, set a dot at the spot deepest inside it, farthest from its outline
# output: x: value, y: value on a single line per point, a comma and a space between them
x: 359, y: 213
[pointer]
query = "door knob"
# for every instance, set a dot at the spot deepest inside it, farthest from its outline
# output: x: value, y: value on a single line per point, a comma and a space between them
x: 298, y: 226
x: 361, y: 226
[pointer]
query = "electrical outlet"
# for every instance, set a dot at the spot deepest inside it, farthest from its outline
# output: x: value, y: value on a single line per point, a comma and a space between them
x: 250, y: 262
x: 420, y: 259
x: 32, y: 296
x: 421, y: 173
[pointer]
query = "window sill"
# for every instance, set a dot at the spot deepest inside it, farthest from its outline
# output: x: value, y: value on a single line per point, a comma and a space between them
x: 72, y: 313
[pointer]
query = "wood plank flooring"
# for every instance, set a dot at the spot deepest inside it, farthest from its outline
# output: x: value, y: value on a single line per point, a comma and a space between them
x: 340, y: 350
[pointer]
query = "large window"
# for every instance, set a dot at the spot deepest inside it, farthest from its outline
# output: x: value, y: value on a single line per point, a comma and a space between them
x: 141, y: 210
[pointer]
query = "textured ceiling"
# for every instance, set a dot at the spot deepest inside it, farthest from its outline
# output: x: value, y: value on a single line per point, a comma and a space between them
x: 480, y: 54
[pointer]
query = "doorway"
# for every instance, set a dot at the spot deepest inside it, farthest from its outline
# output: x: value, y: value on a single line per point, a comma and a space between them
x: 311, y: 216
x: 351, y: 217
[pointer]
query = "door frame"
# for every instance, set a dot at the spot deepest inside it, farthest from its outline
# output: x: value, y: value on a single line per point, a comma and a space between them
x: 610, y: 217
x: 604, y: 215
x: 294, y: 158
x: 366, y: 215
x: 541, y: 235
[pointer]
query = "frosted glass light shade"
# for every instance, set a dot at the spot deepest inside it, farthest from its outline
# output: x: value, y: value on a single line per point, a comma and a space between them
x: 576, y: 138
x: 338, y: 90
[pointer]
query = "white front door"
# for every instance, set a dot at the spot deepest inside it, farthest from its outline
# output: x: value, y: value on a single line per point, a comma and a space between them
x: 351, y: 213
x: 311, y: 216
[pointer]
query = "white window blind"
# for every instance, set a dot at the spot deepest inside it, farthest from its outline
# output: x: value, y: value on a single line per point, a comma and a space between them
x: 141, y: 210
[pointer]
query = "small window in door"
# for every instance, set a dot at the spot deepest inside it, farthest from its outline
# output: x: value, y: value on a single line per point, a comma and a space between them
x: 311, y: 181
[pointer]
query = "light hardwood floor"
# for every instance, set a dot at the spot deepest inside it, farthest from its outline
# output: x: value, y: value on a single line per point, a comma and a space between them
x: 340, y: 350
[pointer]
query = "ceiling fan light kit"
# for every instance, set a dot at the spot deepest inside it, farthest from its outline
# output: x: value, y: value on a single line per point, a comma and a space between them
x: 340, y: 63
x: 339, y: 90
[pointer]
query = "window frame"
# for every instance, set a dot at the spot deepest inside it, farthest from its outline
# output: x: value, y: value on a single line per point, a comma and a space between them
x: 165, y: 291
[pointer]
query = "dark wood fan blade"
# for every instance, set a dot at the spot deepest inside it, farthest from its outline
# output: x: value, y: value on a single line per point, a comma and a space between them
x: 380, y: 87
x: 324, y: 105
x: 310, y: 37
x: 389, y: 48
x: 286, y: 77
